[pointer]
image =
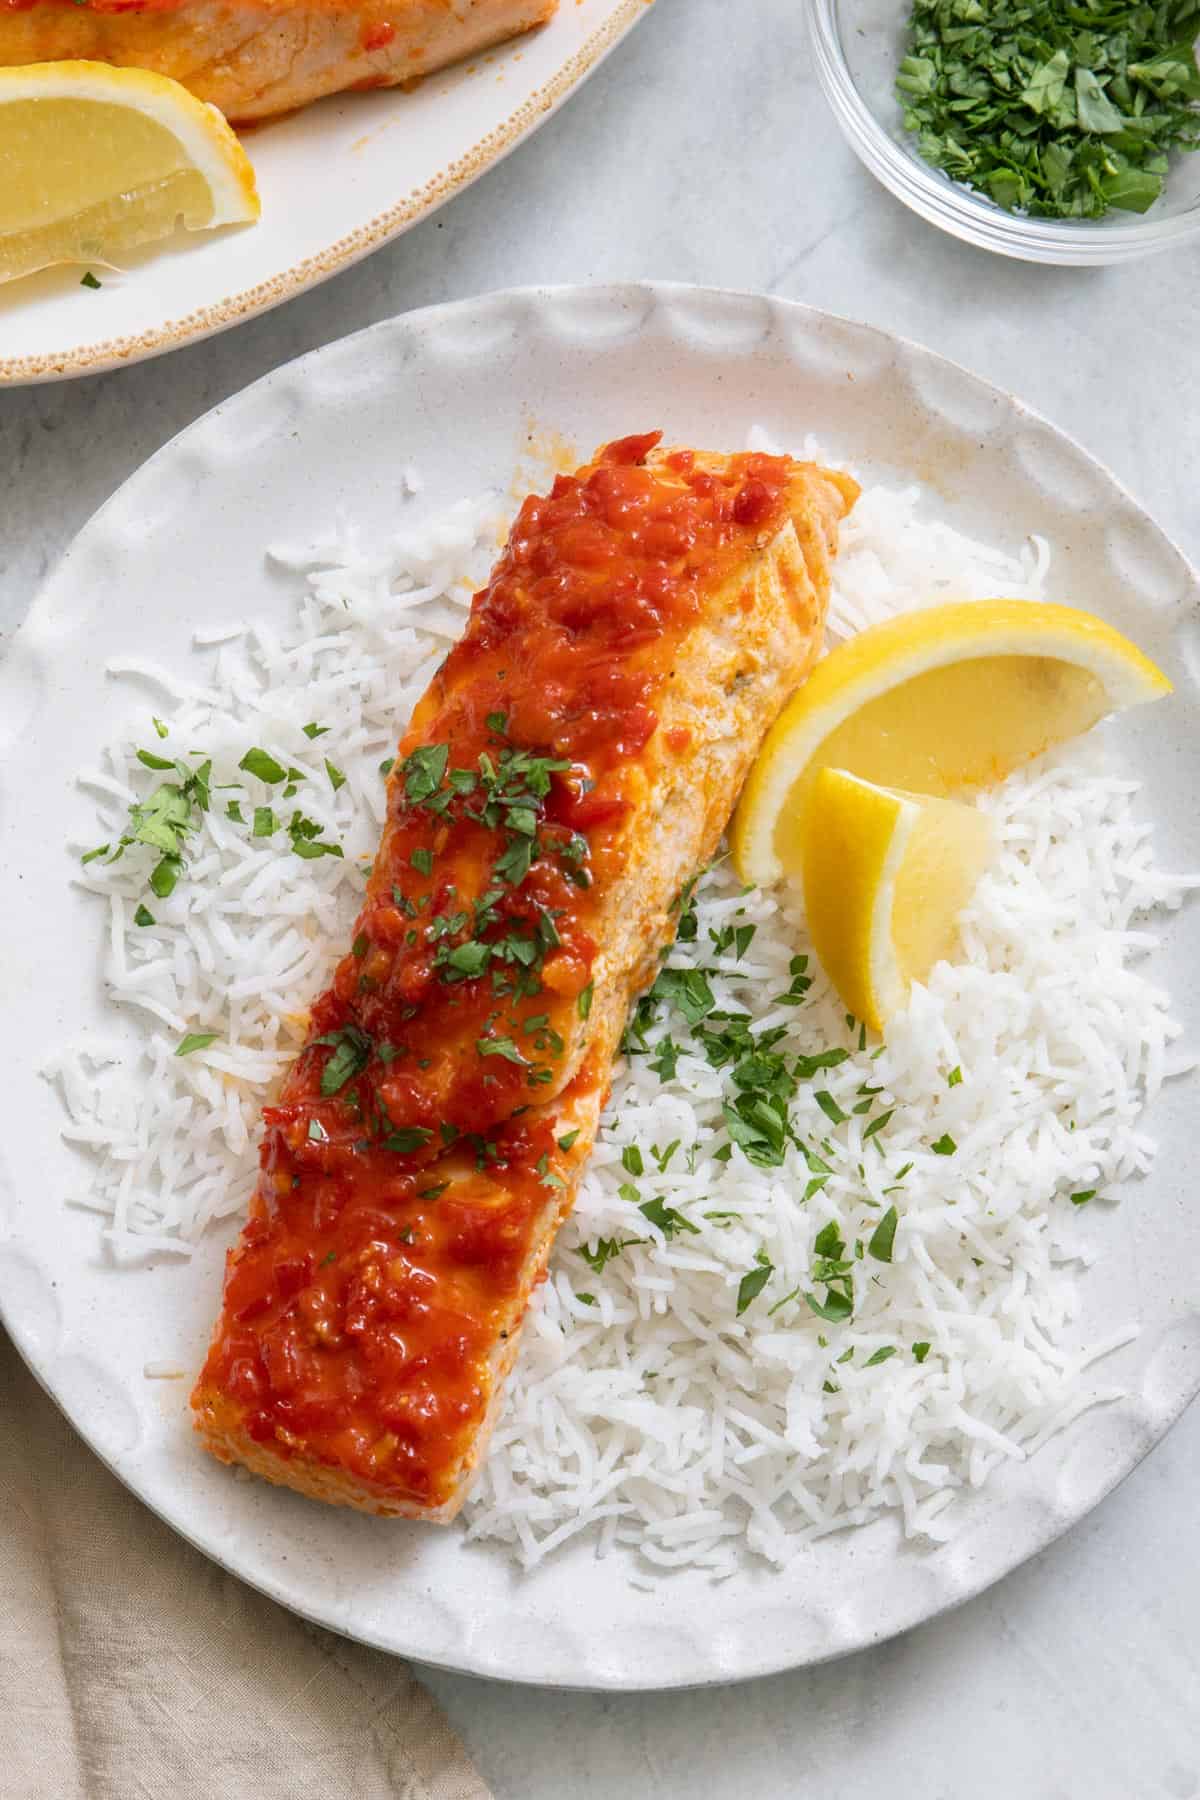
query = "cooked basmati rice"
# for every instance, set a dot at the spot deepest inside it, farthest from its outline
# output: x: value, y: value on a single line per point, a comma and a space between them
x: 644, y: 1410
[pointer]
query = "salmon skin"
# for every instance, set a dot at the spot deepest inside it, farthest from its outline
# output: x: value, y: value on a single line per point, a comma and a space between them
x: 255, y: 58
x: 569, y: 770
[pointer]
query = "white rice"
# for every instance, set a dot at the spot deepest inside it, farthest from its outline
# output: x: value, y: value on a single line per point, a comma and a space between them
x: 644, y: 1411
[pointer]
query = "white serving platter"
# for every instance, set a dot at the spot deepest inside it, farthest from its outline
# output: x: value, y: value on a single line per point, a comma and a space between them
x: 337, y: 180
x: 458, y: 390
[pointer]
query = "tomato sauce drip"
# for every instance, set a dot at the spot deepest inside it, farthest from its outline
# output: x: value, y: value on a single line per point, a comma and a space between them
x: 409, y: 1161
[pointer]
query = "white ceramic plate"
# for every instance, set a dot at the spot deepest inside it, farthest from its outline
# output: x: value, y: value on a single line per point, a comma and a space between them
x: 337, y: 180
x: 458, y: 390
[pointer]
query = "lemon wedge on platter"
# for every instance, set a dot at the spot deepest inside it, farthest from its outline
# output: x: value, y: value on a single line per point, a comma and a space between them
x: 932, y: 702
x: 96, y: 160
x: 886, y: 875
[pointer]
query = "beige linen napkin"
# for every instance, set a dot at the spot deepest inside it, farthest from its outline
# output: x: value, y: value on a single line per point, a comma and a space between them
x: 132, y: 1668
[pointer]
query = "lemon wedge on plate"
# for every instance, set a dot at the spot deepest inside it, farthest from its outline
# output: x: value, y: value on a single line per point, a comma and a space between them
x: 886, y: 875
x: 95, y: 160
x: 932, y: 702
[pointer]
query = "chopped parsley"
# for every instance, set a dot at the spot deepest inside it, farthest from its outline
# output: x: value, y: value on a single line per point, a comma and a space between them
x: 314, y: 730
x: 944, y: 1146
x: 89, y: 280
x: 834, y: 1272
x: 500, y: 1046
x: 164, y: 875
x: 351, y: 1054
x: 606, y: 1248
x: 143, y: 916
x: 757, y: 1122
x: 762, y: 1081
x: 753, y: 1282
x: 877, y: 1124
x: 737, y: 938
x: 195, y: 1040
x: 879, y: 1245
x: 262, y: 764
x: 830, y: 1107
x: 837, y: 1305
x: 306, y: 839
x: 1061, y: 112
x: 920, y: 1352
x: 407, y: 1139
x: 423, y: 769
x: 667, y: 1219
x: 807, y: 1066
x: 688, y: 990
x: 336, y: 778
x: 163, y: 820
x: 954, y: 1078
x: 800, y: 983
x: 880, y: 1356
x: 503, y: 793
x: 468, y: 960
x: 1082, y: 1198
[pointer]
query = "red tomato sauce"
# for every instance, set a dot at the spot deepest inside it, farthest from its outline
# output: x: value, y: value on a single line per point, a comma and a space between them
x: 409, y: 1162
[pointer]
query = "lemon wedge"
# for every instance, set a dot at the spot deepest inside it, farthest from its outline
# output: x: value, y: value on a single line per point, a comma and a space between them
x: 95, y: 160
x: 886, y: 875
x: 931, y: 702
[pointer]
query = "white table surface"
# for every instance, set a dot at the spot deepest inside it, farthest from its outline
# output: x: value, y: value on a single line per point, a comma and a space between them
x: 703, y: 152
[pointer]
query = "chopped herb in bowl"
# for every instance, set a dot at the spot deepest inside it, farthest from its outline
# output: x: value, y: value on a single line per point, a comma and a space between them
x: 1058, y: 111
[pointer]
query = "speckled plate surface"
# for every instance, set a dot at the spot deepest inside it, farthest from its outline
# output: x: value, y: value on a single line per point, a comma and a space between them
x: 458, y: 389
x: 337, y: 180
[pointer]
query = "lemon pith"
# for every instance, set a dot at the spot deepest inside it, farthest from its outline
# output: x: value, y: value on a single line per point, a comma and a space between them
x: 886, y: 876
x: 935, y: 701
x: 95, y: 160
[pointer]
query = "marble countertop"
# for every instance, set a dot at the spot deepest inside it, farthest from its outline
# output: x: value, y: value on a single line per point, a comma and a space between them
x: 703, y: 151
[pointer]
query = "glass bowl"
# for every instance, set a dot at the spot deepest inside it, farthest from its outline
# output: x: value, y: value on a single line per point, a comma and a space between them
x: 858, y: 45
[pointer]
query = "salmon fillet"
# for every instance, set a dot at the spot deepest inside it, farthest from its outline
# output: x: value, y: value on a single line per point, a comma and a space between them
x: 253, y: 58
x: 571, y: 767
